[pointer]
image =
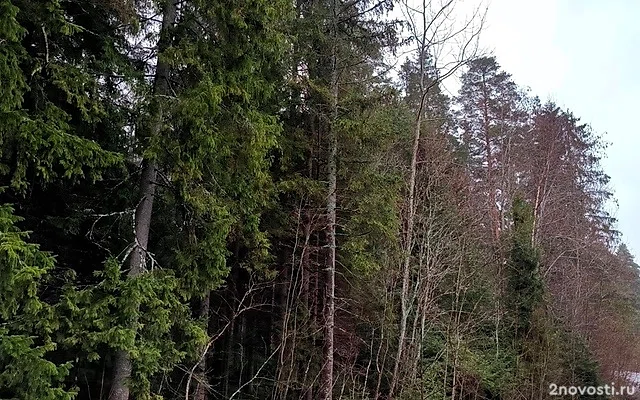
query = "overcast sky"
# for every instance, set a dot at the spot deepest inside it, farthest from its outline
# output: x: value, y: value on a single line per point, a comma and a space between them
x: 585, y: 56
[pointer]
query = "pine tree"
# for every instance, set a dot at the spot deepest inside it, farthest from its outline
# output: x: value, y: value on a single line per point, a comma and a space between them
x: 28, y: 325
x: 525, y: 284
x: 491, y: 118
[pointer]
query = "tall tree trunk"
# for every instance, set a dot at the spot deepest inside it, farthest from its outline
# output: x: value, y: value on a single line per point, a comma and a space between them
x: 326, y: 378
x: 491, y: 187
x: 122, y: 365
x: 405, y: 307
x: 201, y: 376
x: 406, y: 266
x: 230, y: 357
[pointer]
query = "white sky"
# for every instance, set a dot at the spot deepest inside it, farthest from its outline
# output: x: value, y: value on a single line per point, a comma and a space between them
x: 584, y: 55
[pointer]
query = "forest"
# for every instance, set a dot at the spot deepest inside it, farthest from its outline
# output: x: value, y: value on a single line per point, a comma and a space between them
x: 267, y: 199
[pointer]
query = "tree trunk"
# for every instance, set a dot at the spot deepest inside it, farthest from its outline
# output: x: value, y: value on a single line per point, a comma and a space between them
x: 491, y: 187
x: 408, y: 237
x: 326, y: 378
x: 201, y: 376
x: 122, y: 365
x: 230, y: 357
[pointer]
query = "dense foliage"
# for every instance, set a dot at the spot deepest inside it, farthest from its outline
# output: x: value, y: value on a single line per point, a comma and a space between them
x: 246, y: 200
